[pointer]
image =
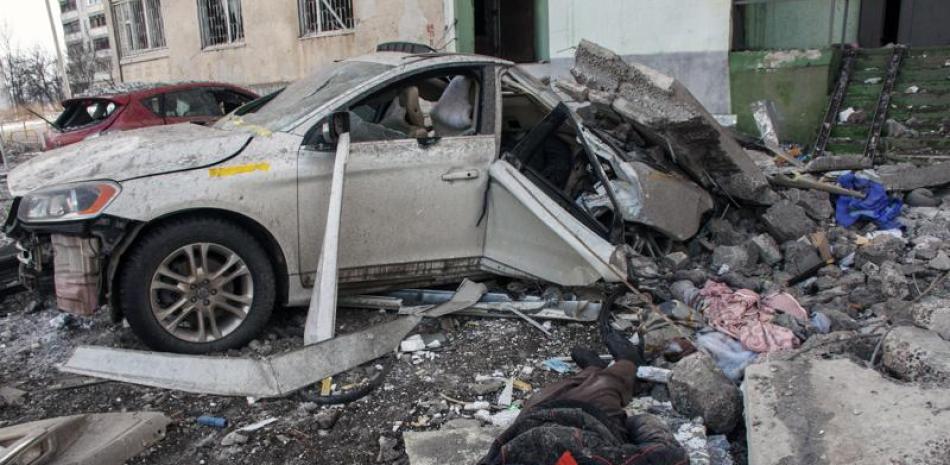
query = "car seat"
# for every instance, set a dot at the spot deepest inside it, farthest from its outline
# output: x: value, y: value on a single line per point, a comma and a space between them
x: 452, y: 114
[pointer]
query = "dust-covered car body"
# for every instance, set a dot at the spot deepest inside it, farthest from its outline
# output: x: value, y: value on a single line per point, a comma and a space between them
x: 443, y: 182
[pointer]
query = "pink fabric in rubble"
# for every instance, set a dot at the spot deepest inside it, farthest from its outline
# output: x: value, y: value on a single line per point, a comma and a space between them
x: 746, y: 316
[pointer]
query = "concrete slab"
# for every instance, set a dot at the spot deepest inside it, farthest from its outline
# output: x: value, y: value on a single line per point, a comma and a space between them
x: 462, y: 446
x: 835, y: 412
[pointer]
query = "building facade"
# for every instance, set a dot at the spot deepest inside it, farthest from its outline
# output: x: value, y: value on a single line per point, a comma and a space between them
x: 88, y: 46
x: 262, y: 44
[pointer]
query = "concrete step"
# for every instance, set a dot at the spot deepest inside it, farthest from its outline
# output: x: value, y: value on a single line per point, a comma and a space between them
x: 850, y: 131
x: 931, y: 144
x: 842, y: 148
x: 923, y: 75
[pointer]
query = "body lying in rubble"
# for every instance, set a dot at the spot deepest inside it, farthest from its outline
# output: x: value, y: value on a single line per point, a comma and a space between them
x: 581, y: 419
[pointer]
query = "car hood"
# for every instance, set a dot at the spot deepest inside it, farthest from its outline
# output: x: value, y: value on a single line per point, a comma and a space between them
x: 129, y: 154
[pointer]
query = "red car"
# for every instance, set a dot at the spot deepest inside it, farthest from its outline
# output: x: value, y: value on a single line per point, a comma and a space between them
x: 130, y: 106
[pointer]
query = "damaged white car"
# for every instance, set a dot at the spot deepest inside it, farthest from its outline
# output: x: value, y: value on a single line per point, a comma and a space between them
x: 459, y: 166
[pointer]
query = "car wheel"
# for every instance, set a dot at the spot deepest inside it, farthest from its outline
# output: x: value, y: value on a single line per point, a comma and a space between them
x: 197, y: 286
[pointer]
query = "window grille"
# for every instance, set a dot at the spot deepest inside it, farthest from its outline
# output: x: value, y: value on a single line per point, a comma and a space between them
x: 221, y: 22
x: 138, y: 24
x: 98, y: 20
x: 320, y: 16
x: 67, y: 5
x: 102, y: 43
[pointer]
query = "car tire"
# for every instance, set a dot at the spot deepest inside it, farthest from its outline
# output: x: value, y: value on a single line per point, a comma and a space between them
x: 177, y: 262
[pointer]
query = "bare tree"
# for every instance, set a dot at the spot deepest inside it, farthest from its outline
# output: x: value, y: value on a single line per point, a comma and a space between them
x: 82, y: 68
x: 30, y: 75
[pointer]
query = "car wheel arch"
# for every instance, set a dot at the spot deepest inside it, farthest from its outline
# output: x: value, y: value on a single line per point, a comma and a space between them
x: 266, y: 239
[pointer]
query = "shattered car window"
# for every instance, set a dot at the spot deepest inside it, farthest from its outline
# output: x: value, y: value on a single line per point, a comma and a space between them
x: 308, y: 94
x: 83, y: 112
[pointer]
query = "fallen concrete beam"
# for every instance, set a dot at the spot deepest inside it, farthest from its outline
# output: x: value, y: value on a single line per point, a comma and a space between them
x: 835, y: 412
x: 908, y: 178
x: 665, y: 112
x: 274, y: 376
x: 838, y: 163
x: 321, y: 317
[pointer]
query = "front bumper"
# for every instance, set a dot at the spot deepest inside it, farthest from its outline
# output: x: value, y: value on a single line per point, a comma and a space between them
x: 69, y: 260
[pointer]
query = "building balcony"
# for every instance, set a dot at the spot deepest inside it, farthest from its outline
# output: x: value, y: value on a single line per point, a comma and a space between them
x: 92, y: 9
x: 107, y: 53
x: 73, y: 37
x: 101, y: 31
x: 68, y: 16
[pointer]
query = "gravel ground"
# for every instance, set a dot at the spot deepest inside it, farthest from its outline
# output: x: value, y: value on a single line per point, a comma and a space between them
x: 32, y: 344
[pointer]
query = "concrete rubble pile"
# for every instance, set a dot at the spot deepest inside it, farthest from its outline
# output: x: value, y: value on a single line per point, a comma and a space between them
x: 750, y: 321
x: 775, y: 334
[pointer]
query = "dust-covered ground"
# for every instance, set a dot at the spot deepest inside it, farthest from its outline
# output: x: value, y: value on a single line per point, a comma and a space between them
x: 34, y: 339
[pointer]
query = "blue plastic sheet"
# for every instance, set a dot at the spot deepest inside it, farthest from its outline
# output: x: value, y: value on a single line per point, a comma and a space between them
x: 876, y: 206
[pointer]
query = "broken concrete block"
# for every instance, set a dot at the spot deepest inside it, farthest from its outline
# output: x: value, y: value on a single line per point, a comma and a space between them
x: 831, y: 412
x: 676, y: 259
x: 787, y: 221
x: 699, y: 388
x: 940, y: 262
x: 735, y: 257
x: 889, y: 281
x: 725, y: 233
x: 817, y: 204
x: 882, y: 248
x: 933, y: 313
x: 669, y: 116
x: 767, y: 248
x: 800, y: 257
x: 462, y: 446
x: 916, y: 354
x: 921, y: 198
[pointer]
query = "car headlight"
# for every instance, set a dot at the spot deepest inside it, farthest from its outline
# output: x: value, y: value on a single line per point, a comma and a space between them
x: 69, y: 202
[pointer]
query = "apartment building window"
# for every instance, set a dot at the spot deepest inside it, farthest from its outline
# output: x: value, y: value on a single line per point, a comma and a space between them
x: 320, y: 16
x: 67, y: 5
x: 75, y: 51
x: 102, y: 43
x: 97, y: 20
x: 138, y: 24
x: 71, y: 27
x: 93, y: 2
x: 221, y: 22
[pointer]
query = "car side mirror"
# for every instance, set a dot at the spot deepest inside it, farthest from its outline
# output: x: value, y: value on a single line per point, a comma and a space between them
x: 325, y: 135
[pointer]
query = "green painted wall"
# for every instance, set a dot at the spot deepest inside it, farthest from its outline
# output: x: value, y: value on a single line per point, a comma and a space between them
x: 798, y: 81
x: 798, y: 24
x: 541, y: 34
x: 465, y: 26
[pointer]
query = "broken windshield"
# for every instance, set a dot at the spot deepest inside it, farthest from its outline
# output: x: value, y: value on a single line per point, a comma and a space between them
x: 305, y: 95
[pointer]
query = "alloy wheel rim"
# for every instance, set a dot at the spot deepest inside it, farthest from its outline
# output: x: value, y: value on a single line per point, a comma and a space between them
x: 201, y: 292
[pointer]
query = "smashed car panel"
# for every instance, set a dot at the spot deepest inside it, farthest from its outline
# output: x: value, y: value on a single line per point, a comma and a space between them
x: 529, y: 232
x: 128, y: 155
x: 89, y: 439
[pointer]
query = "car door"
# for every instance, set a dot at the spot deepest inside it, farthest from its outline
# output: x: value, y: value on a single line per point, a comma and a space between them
x: 413, y: 197
x: 196, y: 105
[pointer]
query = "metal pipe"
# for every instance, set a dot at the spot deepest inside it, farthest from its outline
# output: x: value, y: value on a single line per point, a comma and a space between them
x: 67, y: 91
